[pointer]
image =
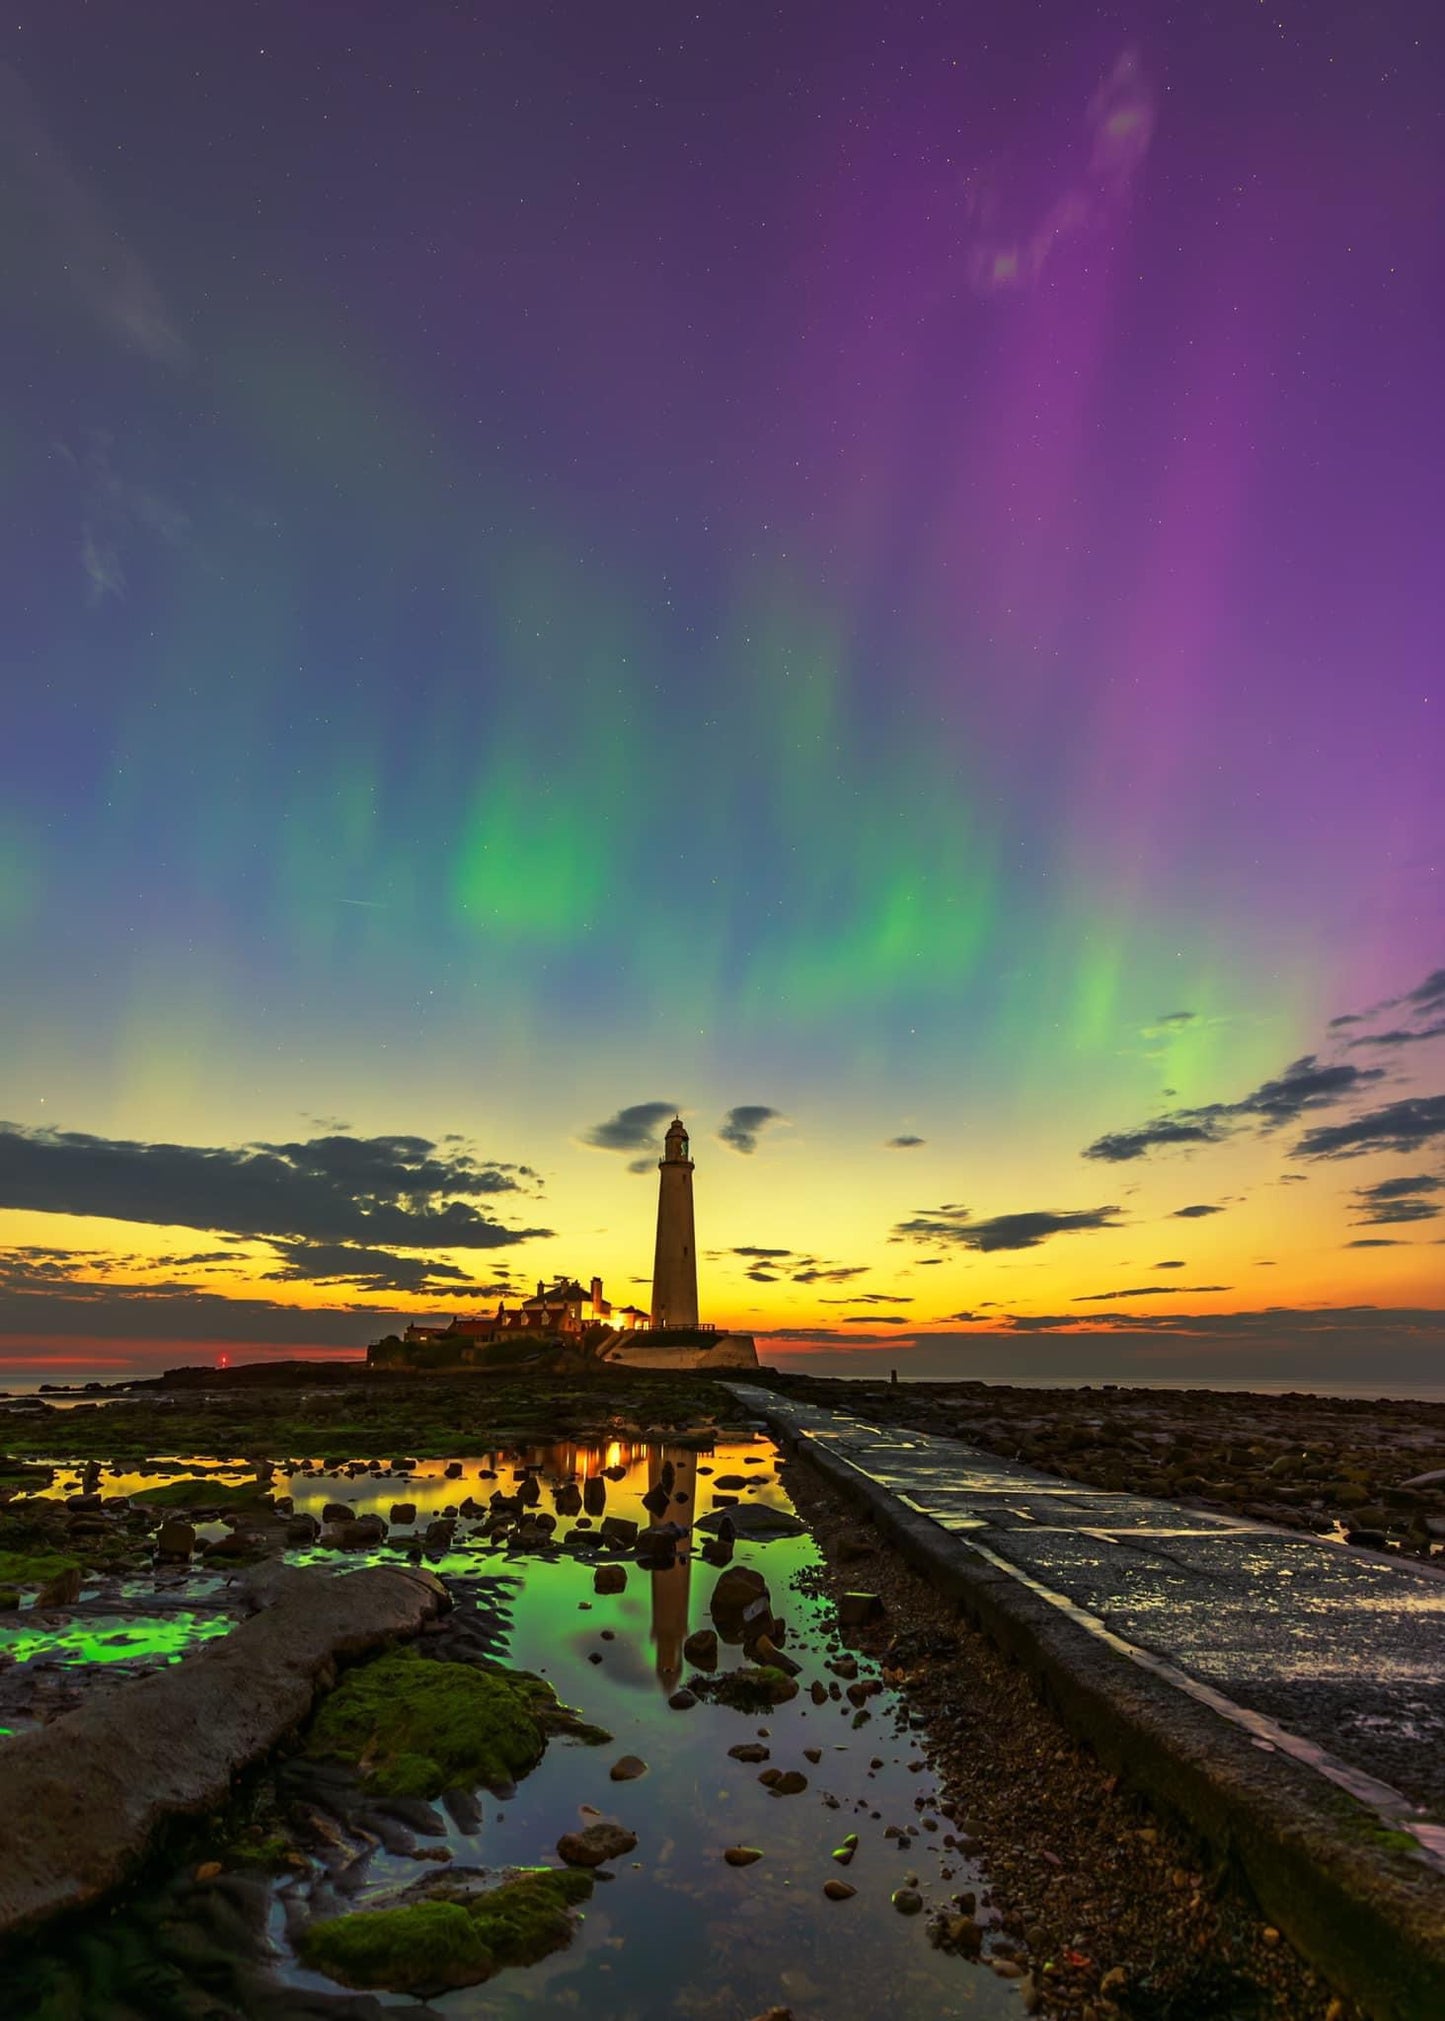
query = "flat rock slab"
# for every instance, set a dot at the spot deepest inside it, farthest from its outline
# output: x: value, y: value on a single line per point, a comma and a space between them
x: 81, y: 1799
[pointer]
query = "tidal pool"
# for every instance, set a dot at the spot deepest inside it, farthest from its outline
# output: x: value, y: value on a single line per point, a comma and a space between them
x: 671, y: 1930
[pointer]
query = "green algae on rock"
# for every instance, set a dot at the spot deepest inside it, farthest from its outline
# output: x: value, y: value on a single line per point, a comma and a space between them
x: 451, y: 1939
x: 415, y: 1726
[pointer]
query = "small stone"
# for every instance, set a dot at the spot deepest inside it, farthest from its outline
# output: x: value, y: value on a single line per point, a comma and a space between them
x: 1114, y: 1980
x: 907, y: 1901
x: 628, y: 1768
x: 683, y: 1700
x: 838, y: 1891
x: 844, y: 1854
x: 791, y: 1783
x: 813, y: 1754
x: 599, y: 1842
x: 404, y: 1514
x: 855, y: 1610
x: 610, y: 1579
x: 700, y: 1649
x: 749, y: 1750
x: 208, y: 1870
x: 1271, y: 1936
x: 741, y: 1856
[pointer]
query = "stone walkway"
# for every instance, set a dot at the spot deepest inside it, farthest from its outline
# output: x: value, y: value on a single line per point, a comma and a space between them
x: 1331, y: 1655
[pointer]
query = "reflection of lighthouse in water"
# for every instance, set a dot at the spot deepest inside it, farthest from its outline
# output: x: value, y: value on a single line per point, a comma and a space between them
x: 670, y: 1589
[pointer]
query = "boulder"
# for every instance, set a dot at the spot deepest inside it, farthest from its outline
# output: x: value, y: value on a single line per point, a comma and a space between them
x: 175, y: 1539
x: 605, y: 1840
x: 619, y: 1531
x: 609, y: 1579
x: 739, y: 1588
x: 701, y: 1648
x: 403, y: 1514
x: 754, y: 1521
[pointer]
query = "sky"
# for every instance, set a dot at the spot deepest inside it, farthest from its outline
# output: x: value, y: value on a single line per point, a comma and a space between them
x: 867, y: 574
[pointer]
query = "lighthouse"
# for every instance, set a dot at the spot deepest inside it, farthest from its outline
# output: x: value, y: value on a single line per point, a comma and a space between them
x: 674, y: 1265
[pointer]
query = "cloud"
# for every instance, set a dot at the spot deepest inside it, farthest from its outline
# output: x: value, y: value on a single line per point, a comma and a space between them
x: 373, y: 1270
x: 115, y: 511
x: 86, y: 252
x: 1171, y: 1263
x: 1118, y: 1147
x: 831, y: 1274
x: 1149, y: 1291
x: 867, y: 1298
x: 760, y: 1274
x: 1002, y: 1231
x: 879, y: 1319
x: 753, y: 1250
x: 1195, y: 1212
x: 1306, y: 1084
x: 637, y: 1129
x: 1009, y: 252
x: 1399, y: 1036
x: 1399, y: 1126
x: 1394, y: 1200
x: 372, y: 1191
x: 741, y: 1127
x: 1428, y: 995
x: 1373, y: 1242
x: 904, y: 1143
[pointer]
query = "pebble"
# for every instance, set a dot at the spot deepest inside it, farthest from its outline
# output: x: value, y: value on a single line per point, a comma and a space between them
x: 907, y: 1901
x: 742, y: 1856
x: 683, y: 1701
x: 628, y: 1768
x: 838, y: 1891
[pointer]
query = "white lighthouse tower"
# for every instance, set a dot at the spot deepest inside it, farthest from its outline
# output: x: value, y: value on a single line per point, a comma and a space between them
x: 674, y: 1265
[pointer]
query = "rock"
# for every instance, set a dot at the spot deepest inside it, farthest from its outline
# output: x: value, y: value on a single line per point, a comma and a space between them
x: 838, y: 1891
x: 700, y: 1648
x: 609, y: 1579
x: 742, y: 1856
x: 1434, y: 1479
x: 813, y: 1754
x: 568, y: 1499
x: 733, y: 1481
x: 1367, y: 1540
x: 628, y: 1768
x: 765, y: 1650
x: 618, y: 1530
x: 818, y: 1692
x: 169, y: 1745
x: 907, y: 1901
x: 755, y: 1521
x: 596, y: 1843
x: 750, y: 1750
x: 844, y: 1666
x: 403, y: 1514
x: 717, y: 1551
x: 843, y: 1854
x: 594, y: 1495
x: 175, y: 1539
x: 453, y: 1470
x: 855, y: 1610
x: 748, y: 1689
x: 791, y: 1783
x: 683, y: 1701
x: 439, y: 1534
x: 302, y: 1530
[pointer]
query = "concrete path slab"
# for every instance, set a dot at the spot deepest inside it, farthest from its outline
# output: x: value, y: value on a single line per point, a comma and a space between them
x: 1283, y: 1694
x: 1332, y: 1654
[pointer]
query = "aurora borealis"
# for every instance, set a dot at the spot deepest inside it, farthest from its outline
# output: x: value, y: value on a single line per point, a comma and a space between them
x: 874, y: 576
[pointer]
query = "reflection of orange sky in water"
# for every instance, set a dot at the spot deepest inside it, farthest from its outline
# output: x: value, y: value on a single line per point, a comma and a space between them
x: 555, y: 1466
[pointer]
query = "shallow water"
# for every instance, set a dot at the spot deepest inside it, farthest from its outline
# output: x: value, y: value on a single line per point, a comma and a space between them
x: 678, y: 1932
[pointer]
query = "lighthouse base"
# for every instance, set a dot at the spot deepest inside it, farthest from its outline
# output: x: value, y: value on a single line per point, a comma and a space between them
x: 677, y: 1348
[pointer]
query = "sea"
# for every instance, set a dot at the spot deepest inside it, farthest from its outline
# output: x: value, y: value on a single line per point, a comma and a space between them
x: 24, y: 1378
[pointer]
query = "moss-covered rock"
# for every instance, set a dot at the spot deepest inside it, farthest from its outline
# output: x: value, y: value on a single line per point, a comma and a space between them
x: 415, y: 1727
x: 450, y: 1939
x: 752, y: 1688
x: 35, y: 1568
x: 196, y: 1492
